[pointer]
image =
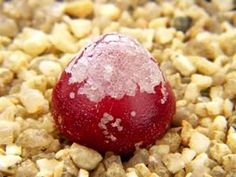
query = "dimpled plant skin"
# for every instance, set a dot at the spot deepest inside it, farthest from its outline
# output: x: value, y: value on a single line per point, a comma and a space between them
x: 113, y: 96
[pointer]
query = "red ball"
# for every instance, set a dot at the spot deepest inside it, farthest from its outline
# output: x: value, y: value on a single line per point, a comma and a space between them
x: 113, y: 97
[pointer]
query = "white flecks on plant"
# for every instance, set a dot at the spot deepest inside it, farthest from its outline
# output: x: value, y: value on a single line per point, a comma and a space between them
x: 114, y: 65
x: 117, y: 124
x: 133, y: 113
x: 107, y: 118
x: 138, y: 144
x: 72, y: 95
x: 164, y: 94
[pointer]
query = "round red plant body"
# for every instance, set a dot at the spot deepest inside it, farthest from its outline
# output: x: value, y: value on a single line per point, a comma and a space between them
x: 113, y: 97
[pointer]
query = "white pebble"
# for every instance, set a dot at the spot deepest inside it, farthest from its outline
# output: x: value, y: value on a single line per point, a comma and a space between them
x: 183, y: 64
x: 199, y: 142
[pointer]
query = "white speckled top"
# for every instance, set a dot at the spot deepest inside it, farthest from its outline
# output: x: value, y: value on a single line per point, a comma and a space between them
x: 114, y: 65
